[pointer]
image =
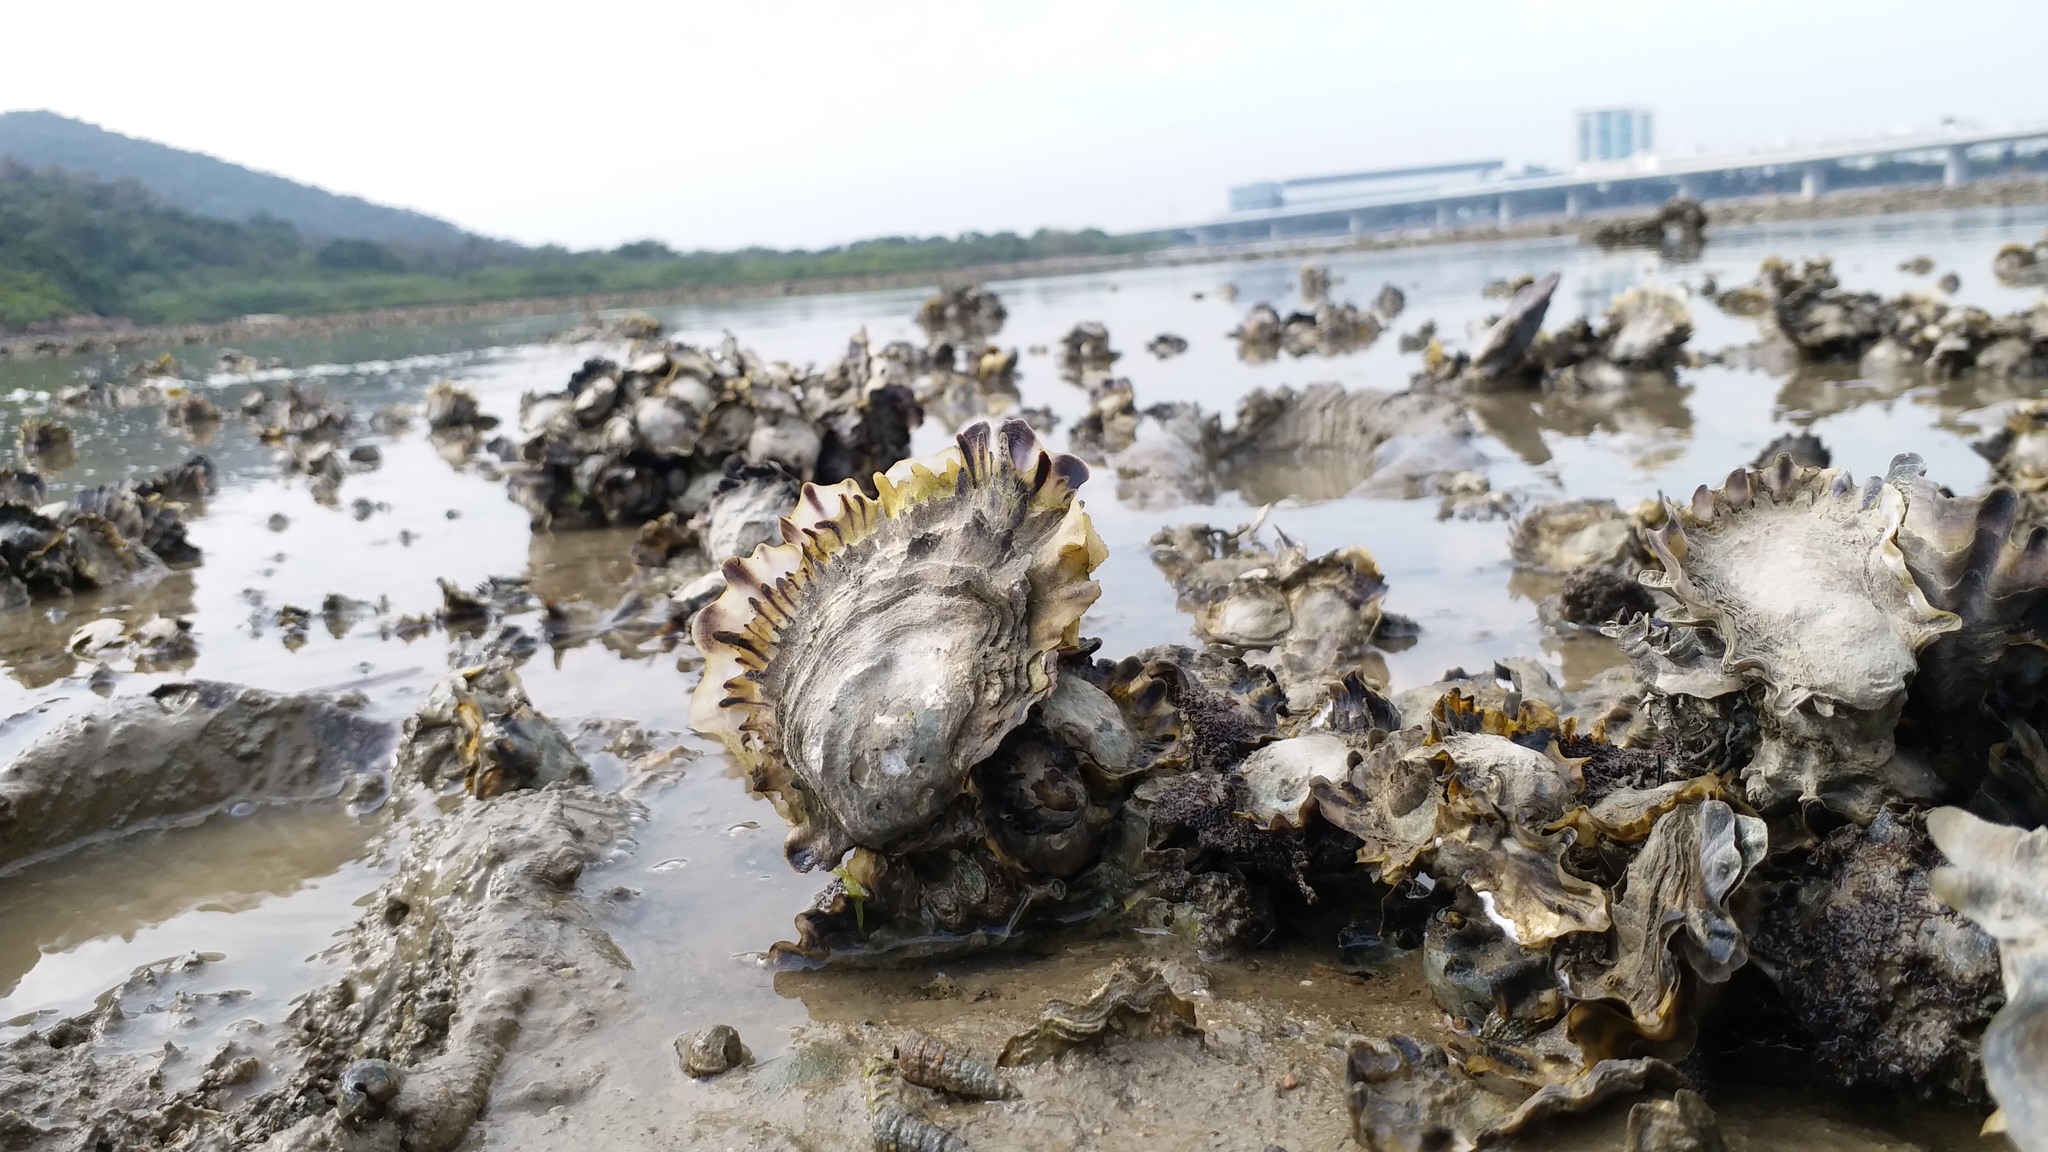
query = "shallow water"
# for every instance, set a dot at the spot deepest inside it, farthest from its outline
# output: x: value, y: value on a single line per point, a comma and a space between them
x: 267, y: 891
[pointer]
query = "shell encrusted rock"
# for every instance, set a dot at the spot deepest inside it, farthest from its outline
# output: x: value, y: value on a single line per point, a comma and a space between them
x: 860, y: 669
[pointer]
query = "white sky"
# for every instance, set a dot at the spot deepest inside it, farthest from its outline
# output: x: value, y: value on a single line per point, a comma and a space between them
x: 803, y: 124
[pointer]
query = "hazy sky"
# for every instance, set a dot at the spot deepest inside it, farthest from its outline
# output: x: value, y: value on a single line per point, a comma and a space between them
x: 747, y: 121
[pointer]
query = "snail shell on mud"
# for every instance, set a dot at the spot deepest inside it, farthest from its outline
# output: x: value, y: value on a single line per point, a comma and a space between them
x: 931, y: 1063
x: 894, y: 1126
x: 861, y: 668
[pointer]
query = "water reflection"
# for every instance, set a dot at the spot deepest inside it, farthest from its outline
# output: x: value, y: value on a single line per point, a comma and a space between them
x: 1650, y: 410
x: 103, y: 910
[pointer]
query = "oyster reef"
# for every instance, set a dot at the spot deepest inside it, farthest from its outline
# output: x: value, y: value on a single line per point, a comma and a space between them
x: 1552, y: 694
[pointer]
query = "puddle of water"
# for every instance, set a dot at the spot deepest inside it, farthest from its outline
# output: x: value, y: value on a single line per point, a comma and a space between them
x: 268, y: 891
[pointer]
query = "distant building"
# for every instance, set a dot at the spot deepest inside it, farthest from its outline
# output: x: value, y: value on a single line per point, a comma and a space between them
x: 1426, y: 180
x: 1618, y: 170
x: 1614, y: 134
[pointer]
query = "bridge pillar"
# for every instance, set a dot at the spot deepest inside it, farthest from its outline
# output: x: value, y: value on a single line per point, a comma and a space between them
x: 1507, y: 210
x: 1689, y: 187
x: 1955, y: 167
x: 1443, y: 215
x: 1273, y: 231
x: 1574, y: 202
x: 1354, y: 222
x: 1813, y: 182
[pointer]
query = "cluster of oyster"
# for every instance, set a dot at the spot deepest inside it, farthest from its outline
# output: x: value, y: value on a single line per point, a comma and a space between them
x: 1304, y: 618
x: 2022, y: 265
x: 1802, y: 306
x: 1330, y: 329
x: 959, y: 376
x: 1592, y: 894
x: 134, y: 530
x: 1678, y: 227
x: 1084, y: 357
x: 964, y: 316
x: 626, y: 443
x: 1320, y: 442
x: 311, y: 432
x: 1642, y: 337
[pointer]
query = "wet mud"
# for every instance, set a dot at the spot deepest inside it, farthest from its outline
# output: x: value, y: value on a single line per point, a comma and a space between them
x: 382, y: 815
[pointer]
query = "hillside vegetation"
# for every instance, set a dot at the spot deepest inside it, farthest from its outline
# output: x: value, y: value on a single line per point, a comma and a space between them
x: 74, y: 245
x: 200, y: 183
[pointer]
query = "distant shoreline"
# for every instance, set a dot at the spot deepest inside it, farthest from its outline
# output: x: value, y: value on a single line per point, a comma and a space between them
x: 111, y: 337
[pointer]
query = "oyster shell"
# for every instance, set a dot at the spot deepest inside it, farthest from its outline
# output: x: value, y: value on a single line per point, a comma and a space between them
x: 1406, y: 1097
x: 1135, y: 1001
x: 860, y: 670
x: 1311, y: 616
x: 1998, y: 877
x: 1976, y: 558
x: 1502, y: 353
x: 1677, y: 892
x: 1799, y: 573
x: 1565, y: 535
x: 715, y: 1050
x: 962, y: 315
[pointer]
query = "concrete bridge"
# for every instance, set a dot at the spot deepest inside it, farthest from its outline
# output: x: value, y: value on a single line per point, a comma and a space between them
x: 1483, y: 191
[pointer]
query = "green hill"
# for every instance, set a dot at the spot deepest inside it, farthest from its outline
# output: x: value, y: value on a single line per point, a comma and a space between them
x: 210, y: 187
x: 74, y: 245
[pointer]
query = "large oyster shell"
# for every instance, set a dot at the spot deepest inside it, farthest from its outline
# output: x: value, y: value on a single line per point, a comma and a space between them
x: 1799, y: 572
x: 862, y: 668
x: 1676, y: 896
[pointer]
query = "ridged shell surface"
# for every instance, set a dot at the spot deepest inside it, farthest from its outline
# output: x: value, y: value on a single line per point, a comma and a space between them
x: 861, y: 669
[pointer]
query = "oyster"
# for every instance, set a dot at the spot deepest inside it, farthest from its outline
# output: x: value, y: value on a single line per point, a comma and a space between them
x: 1564, y: 535
x: 1085, y: 355
x: 478, y: 727
x: 746, y: 509
x: 1406, y: 1097
x: 860, y: 670
x: 2018, y: 452
x: 1315, y: 282
x: 1135, y: 1001
x: 1998, y: 877
x: 1799, y: 574
x: 1646, y: 328
x: 1677, y: 227
x: 1311, y: 615
x: 1166, y: 345
x: 963, y: 315
x: 1676, y: 895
